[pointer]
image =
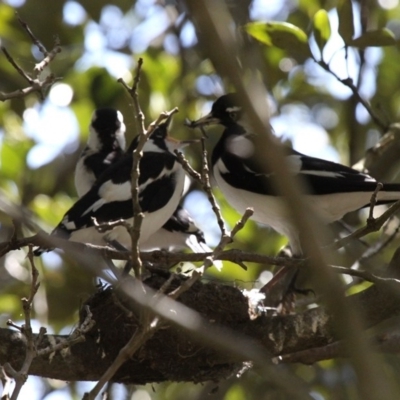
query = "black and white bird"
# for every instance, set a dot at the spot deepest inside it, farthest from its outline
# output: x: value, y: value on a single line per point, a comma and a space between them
x: 161, y: 184
x: 179, y: 232
x: 106, y: 146
x: 332, y: 189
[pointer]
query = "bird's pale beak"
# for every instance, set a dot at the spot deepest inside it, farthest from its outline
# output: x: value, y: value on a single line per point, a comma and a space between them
x: 208, y: 119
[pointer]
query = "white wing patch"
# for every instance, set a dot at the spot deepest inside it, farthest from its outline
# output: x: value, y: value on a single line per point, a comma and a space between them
x: 327, y: 174
x: 240, y: 146
x: 294, y: 163
x: 95, y: 206
x: 110, y: 191
x: 70, y: 225
x: 220, y: 165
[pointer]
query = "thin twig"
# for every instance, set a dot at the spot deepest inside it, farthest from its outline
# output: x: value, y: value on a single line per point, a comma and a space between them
x: 26, y: 329
x: 349, y: 83
x: 377, y: 248
x: 373, y: 225
x: 187, y: 167
x: 77, y: 336
x: 109, y: 226
x: 34, y: 39
x: 367, y: 276
x: 50, y: 56
x: 205, y: 178
x: 36, y: 84
x: 374, y: 200
x: 209, y: 260
x: 204, y: 181
x: 16, y: 66
x: 138, y: 216
x: 139, y: 116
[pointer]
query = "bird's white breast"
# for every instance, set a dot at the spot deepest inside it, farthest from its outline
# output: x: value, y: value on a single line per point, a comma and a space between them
x: 84, y: 179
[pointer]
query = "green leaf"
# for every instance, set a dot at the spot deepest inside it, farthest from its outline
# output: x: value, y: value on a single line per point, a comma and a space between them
x: 11, y: 161
x: 346, y: 20
x: 321, y: 28
x: 378, y: 38
x: 281, y: 34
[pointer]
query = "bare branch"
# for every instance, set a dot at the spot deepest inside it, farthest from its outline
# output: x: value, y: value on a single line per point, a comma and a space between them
x: 139, y: 116
x: 349, y: 83
x: 26, y: 329
x: 49, y: 57
x: 373, y: 201
x: 36, y: 84
x: 138, y: 216
x: 16, y: 66
x: 205, y: 177
x: 373, y: 225
x: 34, y: 39
x: 137, y: 156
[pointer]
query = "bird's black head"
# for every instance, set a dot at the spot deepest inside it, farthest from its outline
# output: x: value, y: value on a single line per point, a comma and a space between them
x: 156, y: 140
x: 160, y: 141
x: 107, y: 129
x: 226, y: 111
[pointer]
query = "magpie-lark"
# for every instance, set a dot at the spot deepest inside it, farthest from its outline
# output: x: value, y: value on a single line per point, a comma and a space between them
x: 332, y: 189
x: 106, y: 146
x: 160, y: 189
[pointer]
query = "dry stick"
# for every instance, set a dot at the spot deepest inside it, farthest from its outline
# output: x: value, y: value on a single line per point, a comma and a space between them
x: 209, y: 260
x: 144, y: 135
x: 385, y: 343
x: 48, y: 56
x: 373, y: 201
x: 349, y: 83
x: 157, y: 256
x: 34, y: 39
x: 16, y: 66
x: 162, y: 257
x: 39, y: 67
x: 109, y: 226
x: 312, y: 355
x: 205, y: 179
x: 367, y: 276
x: 135, y: 174
x: 373, y: 225
x: 26, y: 329
x: 377, y: 248
x: 77, y: 336
x: 35, y: 85
x: 31, y: 343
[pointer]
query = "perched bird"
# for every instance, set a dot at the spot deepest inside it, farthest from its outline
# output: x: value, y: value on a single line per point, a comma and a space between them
x: 106, y: 146
x: 332, y: 189
x: 179, y: 232
x: 160, y: 189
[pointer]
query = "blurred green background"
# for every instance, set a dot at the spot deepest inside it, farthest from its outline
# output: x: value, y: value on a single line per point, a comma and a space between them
x: 101, y: 42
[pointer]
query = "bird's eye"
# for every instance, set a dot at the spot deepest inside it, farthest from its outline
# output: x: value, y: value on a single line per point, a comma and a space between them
x: 233, y: 115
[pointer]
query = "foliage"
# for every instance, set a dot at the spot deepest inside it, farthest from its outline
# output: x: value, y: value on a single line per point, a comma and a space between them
x: 312, y: 52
